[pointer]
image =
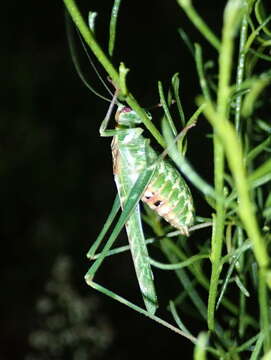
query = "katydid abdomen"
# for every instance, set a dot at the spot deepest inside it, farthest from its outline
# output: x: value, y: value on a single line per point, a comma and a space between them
x: 168, y: 195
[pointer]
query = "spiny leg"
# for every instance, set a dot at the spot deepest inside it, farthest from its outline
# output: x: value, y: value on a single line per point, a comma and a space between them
x: 133, y: 199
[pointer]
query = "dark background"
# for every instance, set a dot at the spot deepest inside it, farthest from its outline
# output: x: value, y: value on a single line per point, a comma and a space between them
x: 56, y: 179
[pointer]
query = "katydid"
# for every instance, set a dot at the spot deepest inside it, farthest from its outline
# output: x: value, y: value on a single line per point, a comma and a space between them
x: 141, y: 175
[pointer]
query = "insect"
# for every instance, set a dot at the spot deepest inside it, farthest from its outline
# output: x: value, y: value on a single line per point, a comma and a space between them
x: 140, y: 174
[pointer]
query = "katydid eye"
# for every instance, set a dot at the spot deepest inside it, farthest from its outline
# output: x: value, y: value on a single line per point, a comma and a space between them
x: 158, y: 203
x: 148, y: 195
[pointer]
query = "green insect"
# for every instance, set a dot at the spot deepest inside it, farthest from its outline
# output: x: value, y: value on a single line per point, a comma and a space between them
x: 140, y: 174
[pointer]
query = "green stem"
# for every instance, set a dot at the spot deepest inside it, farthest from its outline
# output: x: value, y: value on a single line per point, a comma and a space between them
x: 231, y: 20
x: 142, y: 311
x: 238, y: 106
x: 240, y: 71
x: 264, y: 309
x: 199, y: 23
x: 113, y: 25
x: 235, y: 158
x: 201, y: 74
x: 88, y: 36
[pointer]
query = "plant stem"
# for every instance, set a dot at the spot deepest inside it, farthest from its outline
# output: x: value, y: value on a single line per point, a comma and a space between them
x: 113, y: 25
x: 238, y: 106
x: 199, y: 23
x: 264, y: 309
x: 88, y: 36
x: 231, y: 19
x: 235, y: 158
x: 240, y: 72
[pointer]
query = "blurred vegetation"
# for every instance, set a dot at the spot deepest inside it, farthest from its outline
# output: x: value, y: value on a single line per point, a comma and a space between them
x: 68, y: 326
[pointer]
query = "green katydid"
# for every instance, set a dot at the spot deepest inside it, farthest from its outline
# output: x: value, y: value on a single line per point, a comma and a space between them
x: 141, y: 174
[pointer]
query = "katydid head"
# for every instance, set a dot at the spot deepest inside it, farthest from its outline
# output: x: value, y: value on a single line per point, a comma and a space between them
x: 127, y: 117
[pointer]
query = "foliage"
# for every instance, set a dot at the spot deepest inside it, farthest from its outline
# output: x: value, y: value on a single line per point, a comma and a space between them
x: 234, y: 101
x: 67, y: 325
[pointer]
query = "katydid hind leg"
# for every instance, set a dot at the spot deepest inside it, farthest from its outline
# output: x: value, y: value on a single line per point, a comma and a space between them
x: 136, y: 237
x: 132, y: 201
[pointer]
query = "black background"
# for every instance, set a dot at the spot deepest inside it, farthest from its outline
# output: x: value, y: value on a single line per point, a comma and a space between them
x: 55, y: 169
